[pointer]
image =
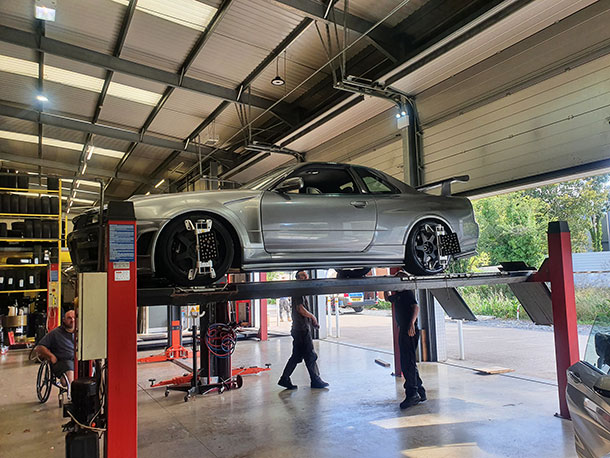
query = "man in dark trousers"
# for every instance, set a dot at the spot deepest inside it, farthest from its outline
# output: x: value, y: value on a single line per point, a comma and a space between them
x: 406, y: 311
x: 302, y: 341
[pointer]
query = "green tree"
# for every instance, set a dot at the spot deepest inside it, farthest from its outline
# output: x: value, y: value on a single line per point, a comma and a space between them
x: 511, y: 228
x: 582, y: 203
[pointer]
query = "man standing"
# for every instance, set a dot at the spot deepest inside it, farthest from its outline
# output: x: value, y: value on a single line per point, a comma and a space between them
x: 285, y: 307
x: 302, y: 341
x: 58, y: 347
x: 406, y: 311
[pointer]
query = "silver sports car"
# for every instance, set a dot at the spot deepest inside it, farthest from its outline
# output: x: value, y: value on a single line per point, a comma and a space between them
x: 308, y: 215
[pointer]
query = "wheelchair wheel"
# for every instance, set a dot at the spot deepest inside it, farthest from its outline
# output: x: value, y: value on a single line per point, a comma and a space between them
x: 44, y: 382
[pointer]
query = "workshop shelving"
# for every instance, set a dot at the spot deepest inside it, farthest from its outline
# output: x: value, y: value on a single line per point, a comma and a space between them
x: 36, y: 215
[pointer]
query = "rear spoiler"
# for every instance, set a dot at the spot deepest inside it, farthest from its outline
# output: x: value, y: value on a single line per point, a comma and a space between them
x: 445, y: 184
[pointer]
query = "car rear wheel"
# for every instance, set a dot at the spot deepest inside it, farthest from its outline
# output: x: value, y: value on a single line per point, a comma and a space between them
x: 358, y: 309
x: 176, y: 252
x: 422, y: 251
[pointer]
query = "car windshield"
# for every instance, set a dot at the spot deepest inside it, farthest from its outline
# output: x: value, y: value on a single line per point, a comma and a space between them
x: 598, y: 346
x: 265, y: 180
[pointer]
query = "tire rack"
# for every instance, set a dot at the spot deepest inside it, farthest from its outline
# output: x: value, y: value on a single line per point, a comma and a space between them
x: 52, y: 269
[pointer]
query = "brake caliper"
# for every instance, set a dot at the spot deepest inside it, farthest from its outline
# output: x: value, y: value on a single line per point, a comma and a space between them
x: 205, y: 246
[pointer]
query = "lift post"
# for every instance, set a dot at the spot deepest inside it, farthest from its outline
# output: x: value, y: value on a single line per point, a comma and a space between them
x: 174, y: 349
x: 121, y: 382
x: 560, y: 272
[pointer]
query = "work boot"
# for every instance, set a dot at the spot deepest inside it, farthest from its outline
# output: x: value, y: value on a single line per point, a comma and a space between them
x: 410, y: 401
x: 319, y: 384
x: 286, y: 383
x: 422, y: 394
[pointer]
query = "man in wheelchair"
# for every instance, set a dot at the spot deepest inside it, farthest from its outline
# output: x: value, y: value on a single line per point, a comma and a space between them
x: 58, y: 348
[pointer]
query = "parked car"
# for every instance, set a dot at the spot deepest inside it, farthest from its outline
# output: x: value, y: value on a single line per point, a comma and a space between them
x: 307, y: 215
x: 588, y: 394
x: 358, y: 301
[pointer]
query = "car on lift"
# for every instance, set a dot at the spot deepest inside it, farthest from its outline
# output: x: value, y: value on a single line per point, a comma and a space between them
x: 588, y: 393
x: 302, y: 216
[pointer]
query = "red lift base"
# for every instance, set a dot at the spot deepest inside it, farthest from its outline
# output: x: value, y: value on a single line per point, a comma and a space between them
x: 186, y: 379
x: 171, y: 353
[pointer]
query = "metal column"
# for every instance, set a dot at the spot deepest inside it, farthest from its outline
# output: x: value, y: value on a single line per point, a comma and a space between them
x: 564, y: 306
x: 121, y: 382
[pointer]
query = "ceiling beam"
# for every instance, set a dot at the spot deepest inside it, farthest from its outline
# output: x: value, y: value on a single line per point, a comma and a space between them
x: 106, y: 131
x: 118, y: 47
x: 279, y: 49
x: 37, y: 42
x: 380, y: 36
x: 71, y: 167
x: 190, y: 58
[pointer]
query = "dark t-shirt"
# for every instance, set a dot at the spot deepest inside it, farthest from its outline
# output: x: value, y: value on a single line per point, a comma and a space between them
x: 299, y: 322
x: 404, y: 302
x: 59, y: 342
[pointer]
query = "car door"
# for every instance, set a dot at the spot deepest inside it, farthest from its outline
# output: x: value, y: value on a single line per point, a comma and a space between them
x: 329, y: 214
x: 589, y: 406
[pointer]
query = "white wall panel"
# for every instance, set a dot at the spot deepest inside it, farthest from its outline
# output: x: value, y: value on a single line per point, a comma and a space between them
x: 557, y: 124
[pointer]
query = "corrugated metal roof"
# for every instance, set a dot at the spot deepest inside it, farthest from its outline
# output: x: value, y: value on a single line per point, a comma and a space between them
x: 258, y: 23
x: 92, y: 24
x: 51, y: 60
x: 157, y: 42
x: 589, y: 262
x: 63, y: 134
x: 248, y: 32
x: 139, y: 83
x: 258, y: 169
x: 375, y: 10
x: 174, y: 123
x: 225, y: 61
x: 17, y: 14
x: 18, y: 52
x: 191, y: 103
x: 17, y: 88
x: 123, y: 113
x: 341, y: 123
x: 18, y: 125
x: 525, y: 22
x: 77, y: 103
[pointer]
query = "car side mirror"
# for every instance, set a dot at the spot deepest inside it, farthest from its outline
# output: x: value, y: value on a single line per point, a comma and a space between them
x: 291, y: 184
x: 602, y: 386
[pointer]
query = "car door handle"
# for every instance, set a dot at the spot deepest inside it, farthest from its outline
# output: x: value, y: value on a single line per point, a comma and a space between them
x: 359, y: 203
x: 575, y: 376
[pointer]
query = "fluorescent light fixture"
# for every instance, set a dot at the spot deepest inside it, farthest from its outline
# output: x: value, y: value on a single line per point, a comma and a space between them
x: 160, y: 183
x: 77, y: 184
x: 78, y: 80
x: 42, y: 98
x: 89, y: 154
x: 84, y: 168
x: 57, y: 143
x: 45, y: 10
x: 188, y: 13
x: 83, y: 182
x: 147, y: 194
x: 76, y: 199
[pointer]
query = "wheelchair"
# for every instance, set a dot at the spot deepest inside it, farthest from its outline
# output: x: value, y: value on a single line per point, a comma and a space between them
x: 46, y: 380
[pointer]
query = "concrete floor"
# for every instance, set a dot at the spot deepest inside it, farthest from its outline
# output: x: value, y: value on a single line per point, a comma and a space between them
x: 467, y: 415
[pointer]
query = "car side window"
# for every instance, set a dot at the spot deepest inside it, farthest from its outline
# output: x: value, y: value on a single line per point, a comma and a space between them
x: 598, y: 346
x: 326, y: 181
x: 375, y: 184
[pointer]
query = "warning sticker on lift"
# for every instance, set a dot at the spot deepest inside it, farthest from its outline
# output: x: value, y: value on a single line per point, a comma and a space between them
x: 122, y: 243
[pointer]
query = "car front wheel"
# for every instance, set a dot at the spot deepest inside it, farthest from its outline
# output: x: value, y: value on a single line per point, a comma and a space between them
x: 176, y: 253
x: 422, y: 251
